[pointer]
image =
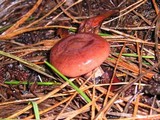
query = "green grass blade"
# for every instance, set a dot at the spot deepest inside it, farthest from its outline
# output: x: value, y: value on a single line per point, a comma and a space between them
x: 135, y: 55
x: 36, y: 110
x: 70, y: 82
x: 16, y: 82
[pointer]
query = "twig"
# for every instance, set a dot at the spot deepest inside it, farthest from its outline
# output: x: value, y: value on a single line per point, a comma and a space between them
x: 105, y: 108
x: 137, y: 4
x: 23, y: 19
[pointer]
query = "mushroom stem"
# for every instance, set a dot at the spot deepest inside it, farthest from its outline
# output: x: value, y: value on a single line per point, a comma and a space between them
x: 95, y: 74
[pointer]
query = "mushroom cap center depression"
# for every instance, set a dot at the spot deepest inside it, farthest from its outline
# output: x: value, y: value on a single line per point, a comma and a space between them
x: 79, y: 54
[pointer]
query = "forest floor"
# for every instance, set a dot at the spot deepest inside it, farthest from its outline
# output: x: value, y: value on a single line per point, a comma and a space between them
x: 127, y: 86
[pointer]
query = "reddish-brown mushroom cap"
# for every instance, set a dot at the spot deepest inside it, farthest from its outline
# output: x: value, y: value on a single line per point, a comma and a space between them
x: 79, y: 54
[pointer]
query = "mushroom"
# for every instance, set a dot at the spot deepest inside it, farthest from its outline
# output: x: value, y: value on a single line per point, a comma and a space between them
x: 79, y: 54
